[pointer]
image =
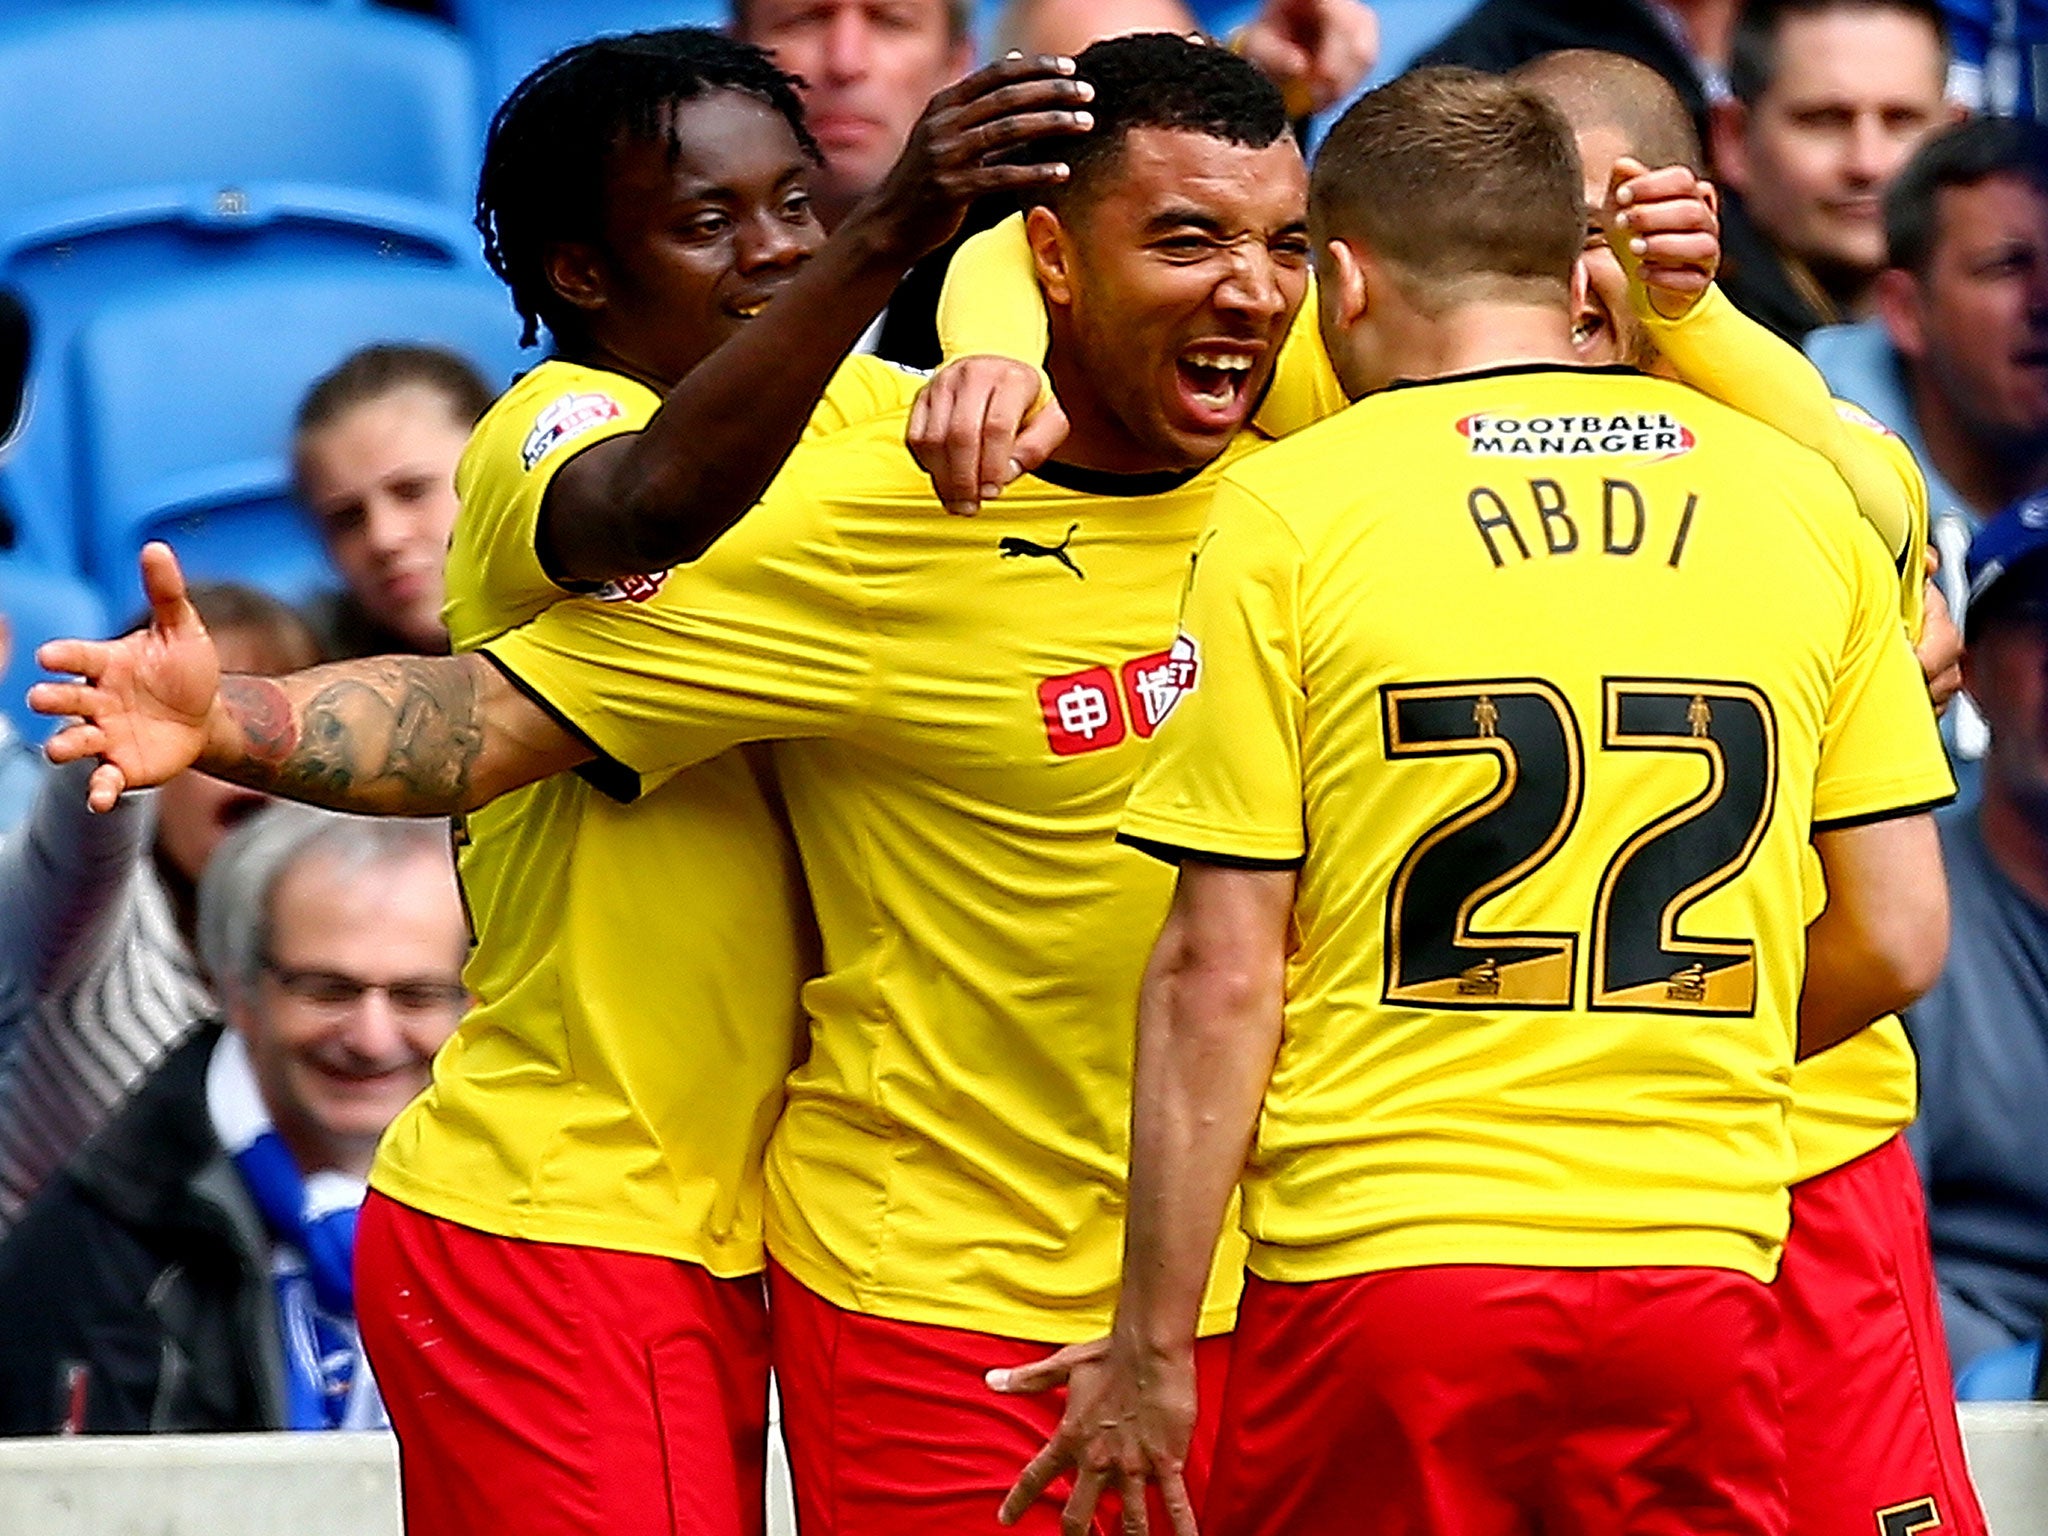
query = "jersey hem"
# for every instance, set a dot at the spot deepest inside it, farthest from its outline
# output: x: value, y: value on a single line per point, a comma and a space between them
x: 653, y: 1239
x: 1520, y: 1248
x: 1837, y: 1145
x: 1059, y: 1321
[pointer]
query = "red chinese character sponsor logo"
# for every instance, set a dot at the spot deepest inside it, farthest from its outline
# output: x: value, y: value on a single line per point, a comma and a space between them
x: 1154, y: 684
x: 631, y: 589
x: 1082, y: 713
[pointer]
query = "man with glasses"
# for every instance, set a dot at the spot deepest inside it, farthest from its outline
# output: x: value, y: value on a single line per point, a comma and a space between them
x: 191, y: 1268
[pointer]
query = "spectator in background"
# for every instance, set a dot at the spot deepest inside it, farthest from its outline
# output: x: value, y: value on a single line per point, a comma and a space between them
x: 1957, y: 363
x: 1685, y: 41
x: 868, y: 69
x: 374, y: 452
x: 1068, y: 26
x: 1829, y: 100
x: 190, y: 1269
x: 98, y: 978
x: 1982, y: 1032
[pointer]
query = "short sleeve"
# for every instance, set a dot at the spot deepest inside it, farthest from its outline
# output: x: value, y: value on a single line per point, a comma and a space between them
x: 763, y: 639
x: 495, y: 577
x: 1222, y: 782
x: 1881, y: 753
x: 863, y: 389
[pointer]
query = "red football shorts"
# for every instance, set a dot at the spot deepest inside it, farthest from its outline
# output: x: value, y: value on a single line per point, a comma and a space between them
x: 891, y: 1428
x: 1871, y: 1442
x: 1492, y: 1401
x: 543, y: 1389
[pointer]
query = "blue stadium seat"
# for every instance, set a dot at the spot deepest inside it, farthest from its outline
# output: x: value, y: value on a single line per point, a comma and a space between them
x: 151, y: 142
x: 41, y: 605
x: 509, y: 37
x: 184, y: 401
x: 99, y: 101
x: 2003, y: 1376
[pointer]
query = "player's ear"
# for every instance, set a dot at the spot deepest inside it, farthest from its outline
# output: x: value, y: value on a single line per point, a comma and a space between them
x: 1051, y: 254
x: 1727, y: 131
x: 1344, y: 282
x: 576, y: 272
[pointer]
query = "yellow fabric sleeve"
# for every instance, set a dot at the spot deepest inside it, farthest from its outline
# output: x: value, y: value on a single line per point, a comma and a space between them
x: 1720, y: 351
x: 990, y: 304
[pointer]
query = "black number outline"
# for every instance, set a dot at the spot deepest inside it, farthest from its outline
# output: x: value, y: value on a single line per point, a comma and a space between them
x: 1402, y: 991
x: 1600, y: 996
x: 1906, y: 1519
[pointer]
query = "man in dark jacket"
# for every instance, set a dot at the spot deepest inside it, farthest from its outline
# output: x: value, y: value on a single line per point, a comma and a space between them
x: 189, y: 1269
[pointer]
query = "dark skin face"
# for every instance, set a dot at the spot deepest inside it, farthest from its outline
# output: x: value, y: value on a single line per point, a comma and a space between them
x: 1170, y: 287
x: 695, y: 241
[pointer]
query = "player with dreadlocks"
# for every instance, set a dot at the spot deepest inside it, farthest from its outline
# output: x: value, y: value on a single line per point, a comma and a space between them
x: 559, y: 1265
x: 701, y: 214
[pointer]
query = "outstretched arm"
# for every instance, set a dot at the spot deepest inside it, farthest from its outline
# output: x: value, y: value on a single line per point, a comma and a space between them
x: 388, y: 735
x: 652, y: 499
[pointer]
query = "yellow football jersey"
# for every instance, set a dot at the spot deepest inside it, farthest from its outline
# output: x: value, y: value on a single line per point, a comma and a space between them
x: 1543, y: 678
x: 959, y: 706
x: 1858, y: 1095
x: 636, y: 969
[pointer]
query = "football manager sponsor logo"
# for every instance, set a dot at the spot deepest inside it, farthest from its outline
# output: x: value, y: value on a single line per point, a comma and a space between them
x: 1644, y: 434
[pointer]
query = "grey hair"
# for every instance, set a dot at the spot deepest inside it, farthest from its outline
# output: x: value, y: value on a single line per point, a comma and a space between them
x: 236, y: 888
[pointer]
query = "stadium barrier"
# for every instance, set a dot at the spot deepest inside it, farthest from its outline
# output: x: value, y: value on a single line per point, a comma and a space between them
x: 347, y: 1484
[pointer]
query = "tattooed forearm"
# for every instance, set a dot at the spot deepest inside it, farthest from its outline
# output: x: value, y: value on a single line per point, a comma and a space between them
x: 263, y: 714
x: 390, y: 735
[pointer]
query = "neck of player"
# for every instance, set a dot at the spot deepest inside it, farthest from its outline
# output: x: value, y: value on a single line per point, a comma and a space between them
x: 1470, y: 338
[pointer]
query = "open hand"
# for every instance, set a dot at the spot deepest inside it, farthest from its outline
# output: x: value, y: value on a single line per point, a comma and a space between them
x: 961, y: 148
x: 979, y: 423
x: 1665, y: 230
x: 1128, y: 1421
x: 144, y: 701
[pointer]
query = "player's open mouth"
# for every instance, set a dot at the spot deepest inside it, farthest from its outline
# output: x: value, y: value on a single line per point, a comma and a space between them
x: 1213, y: 381
x: 747, y: 309
x: 1588, y: 328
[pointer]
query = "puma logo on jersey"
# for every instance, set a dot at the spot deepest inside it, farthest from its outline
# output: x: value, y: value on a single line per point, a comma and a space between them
x: 1010, y: 546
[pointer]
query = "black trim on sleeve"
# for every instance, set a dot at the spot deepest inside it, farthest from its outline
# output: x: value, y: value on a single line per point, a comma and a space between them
x: 1173, y: 853
x: 603, y: 773
x: 1871, y: 818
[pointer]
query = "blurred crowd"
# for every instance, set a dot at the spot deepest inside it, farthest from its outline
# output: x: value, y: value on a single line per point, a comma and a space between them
x: 212, y: 1004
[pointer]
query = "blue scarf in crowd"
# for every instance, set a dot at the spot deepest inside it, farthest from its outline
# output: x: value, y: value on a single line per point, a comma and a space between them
x: 312, y: 1226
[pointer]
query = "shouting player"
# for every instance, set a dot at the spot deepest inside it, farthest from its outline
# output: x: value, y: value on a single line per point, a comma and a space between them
x: 1490, y: 800
x: 959, y: 707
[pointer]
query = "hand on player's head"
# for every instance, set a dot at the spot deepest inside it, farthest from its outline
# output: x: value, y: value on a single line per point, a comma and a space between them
x: 140, y: 704
x: 1665, y: 230
x: 966, y: 144
x: 978, y: 424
